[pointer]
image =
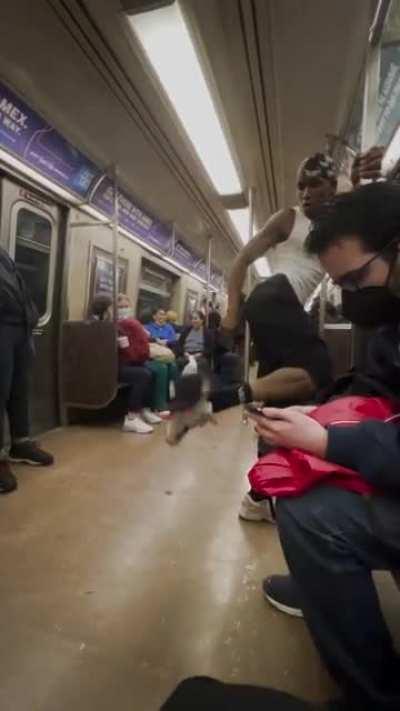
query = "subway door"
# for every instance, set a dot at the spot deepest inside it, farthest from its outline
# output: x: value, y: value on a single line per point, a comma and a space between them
x: 35, y: 245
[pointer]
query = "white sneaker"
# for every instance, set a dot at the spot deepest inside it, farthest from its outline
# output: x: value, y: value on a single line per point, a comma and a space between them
x: 136, y: 424
x: 251, y: 510
x: 150, y: 417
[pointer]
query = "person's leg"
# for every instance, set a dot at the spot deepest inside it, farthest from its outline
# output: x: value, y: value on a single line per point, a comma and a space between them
x: 18, y: 404
x: 139, y: 380
x: 7, y: 480
x: 160, y: 384
x: 330, y: 549
x: 22, y: 448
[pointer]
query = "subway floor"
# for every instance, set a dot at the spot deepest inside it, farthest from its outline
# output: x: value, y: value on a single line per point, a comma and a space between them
x: 124, y: 568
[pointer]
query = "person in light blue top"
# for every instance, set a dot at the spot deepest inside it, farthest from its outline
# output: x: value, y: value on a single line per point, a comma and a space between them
x: 161, y: 331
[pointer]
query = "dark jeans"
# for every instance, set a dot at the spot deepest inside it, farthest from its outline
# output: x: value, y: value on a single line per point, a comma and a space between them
x: 206, y: 694
x: 331, y: 548
x: 15, y: 365
x: 140, y: 380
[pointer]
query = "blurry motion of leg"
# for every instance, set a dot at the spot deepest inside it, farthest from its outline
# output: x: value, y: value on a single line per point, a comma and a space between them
x: 331, y: 548
x: 207, y: 694
x: 190, y: 408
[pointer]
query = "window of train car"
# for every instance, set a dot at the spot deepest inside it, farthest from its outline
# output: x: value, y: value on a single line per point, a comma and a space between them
x: 389, y: 83
x: 156, y: 289
x: 33, y: 256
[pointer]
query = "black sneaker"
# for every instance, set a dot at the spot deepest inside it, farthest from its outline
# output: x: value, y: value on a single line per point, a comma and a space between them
x: 8, y: 482
x: 281, y: 592
x: 28, y: 452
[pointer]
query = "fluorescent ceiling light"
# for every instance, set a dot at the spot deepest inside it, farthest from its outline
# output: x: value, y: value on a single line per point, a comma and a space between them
x: 240, y: 221
x: 166, y: 40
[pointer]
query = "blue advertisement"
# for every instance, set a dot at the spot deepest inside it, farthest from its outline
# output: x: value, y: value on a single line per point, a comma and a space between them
x: 132, y: 217
x: 26, y: 135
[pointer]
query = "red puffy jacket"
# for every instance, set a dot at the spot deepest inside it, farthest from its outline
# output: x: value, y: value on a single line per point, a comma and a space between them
x: 291, y: 472
x: 139, y: 350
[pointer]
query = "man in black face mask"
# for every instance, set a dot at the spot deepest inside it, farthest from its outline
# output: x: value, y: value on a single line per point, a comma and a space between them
x: 333, y: 539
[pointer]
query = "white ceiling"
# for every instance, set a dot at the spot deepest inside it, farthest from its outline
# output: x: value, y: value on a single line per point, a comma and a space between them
x: 284, y: 72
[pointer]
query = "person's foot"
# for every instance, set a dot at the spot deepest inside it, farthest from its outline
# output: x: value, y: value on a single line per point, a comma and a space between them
x: 251, y: 510
x: 136, y: 424
x: 281, y: 592
x: 8, y: 482
x: 150, y: 417
x: 28, y: 452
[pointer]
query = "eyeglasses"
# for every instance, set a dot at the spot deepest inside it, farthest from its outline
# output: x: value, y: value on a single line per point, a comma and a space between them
x: 353, y: 280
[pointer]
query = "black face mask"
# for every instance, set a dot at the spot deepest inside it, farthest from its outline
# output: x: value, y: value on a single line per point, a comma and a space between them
x: 371, y: 306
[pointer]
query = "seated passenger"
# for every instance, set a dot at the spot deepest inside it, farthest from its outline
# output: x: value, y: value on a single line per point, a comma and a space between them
x: 160, y: 331
x: 196, y: 340
x: 133, y: 352
x: 334, y: 539
x: 164, y: 374
x: 172, y: 318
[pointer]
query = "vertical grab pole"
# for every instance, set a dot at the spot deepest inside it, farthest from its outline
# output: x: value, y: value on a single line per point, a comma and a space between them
x: 323, y: 297
x: 249, y: 284
x: 209, y: 255
x: 115, y: 246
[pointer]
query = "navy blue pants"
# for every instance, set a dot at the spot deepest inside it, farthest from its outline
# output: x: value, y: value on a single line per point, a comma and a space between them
x: 15, y: 366
x: 331, y: 547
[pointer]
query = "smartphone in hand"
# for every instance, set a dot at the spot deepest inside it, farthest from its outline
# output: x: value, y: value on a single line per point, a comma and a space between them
x: 254, y: 408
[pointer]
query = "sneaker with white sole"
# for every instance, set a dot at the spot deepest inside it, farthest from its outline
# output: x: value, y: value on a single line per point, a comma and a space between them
x: 282, y: 593
x: 150, y: 417
x: 136, y: 424
x: 251, y: 510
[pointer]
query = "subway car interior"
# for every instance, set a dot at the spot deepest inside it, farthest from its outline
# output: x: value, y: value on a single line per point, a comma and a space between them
x: 143, y: 143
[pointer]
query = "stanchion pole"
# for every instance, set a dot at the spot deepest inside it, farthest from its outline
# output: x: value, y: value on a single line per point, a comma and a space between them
x: 209, y: 257
x: 115, y: 246
x: 249, y: 285
x: 246, y: 365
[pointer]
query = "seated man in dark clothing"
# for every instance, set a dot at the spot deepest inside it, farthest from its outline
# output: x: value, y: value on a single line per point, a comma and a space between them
x: 333, y: 539
x: 18, y: 317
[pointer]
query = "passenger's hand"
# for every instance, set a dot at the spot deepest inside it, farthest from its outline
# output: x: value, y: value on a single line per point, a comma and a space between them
x: 290, y: 428
x: 367, y: 166
x: 305, y: 409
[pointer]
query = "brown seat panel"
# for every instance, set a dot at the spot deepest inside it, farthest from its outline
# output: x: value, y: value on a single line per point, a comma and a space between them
x: 89, y: 363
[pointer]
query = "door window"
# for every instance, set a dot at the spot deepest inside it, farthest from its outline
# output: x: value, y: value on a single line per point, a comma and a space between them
x: 33, y: 257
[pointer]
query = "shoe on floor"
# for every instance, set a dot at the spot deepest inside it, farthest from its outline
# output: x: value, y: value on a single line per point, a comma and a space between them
x: 8, y: 482
x: 150, y: 417
x: 28, y: 452
x: 136, y: 424
x: 251, y: 510
x: 281, y: 592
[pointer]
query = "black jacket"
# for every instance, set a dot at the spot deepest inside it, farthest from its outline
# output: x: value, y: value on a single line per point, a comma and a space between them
x: 373, y: 448
x: 16, y: 305
x: 208, y: 342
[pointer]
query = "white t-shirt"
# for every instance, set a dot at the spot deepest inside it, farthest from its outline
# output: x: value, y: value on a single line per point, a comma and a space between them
x: 303, y: 271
